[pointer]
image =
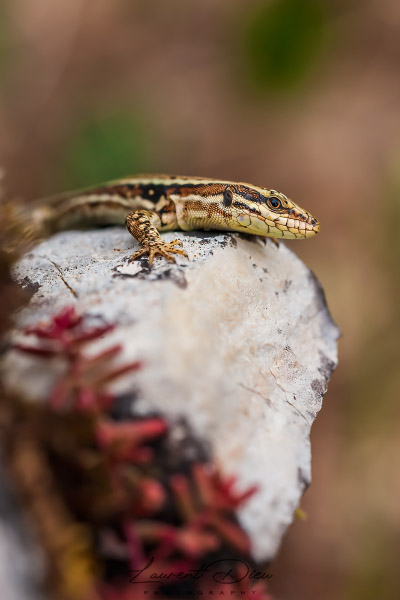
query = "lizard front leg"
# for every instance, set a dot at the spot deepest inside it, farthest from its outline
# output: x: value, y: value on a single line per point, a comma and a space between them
x: 142, y: 225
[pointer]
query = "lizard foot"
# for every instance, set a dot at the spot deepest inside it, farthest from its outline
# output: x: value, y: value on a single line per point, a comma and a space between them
x: 161, y: 248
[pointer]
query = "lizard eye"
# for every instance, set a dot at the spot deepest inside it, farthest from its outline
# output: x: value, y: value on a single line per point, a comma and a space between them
x: 228, y: 197
x: 274, y: 202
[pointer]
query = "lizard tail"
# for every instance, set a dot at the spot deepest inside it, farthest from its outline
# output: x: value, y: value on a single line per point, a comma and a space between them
x: 22, y: 228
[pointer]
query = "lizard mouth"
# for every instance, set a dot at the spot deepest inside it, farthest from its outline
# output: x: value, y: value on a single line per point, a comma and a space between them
x: 304, y: 225
x: 290, y: 225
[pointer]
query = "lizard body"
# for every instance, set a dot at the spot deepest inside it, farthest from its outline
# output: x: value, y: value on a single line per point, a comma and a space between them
x: 150, y: 204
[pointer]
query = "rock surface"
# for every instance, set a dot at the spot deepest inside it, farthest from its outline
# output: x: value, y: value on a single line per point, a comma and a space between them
x: 238, y: 340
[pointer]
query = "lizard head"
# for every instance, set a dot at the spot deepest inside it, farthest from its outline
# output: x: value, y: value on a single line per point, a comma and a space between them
x: 267, y: 212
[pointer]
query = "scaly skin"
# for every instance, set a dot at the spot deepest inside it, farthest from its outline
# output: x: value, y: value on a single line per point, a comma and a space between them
x: 150, y: 204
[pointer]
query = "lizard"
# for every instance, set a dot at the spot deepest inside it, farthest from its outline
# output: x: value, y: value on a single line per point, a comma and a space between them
x: 152, y: 204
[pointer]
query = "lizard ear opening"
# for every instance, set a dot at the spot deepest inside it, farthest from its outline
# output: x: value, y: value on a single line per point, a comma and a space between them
x: 228, y: 197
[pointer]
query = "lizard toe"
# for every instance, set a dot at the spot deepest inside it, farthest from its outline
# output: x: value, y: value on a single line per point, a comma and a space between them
x: 165, y: 250
x: 138, y: 254
x: 175, y: 243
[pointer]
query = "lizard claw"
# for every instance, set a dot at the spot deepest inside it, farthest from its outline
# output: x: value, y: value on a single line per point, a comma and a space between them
x: 162, y: 248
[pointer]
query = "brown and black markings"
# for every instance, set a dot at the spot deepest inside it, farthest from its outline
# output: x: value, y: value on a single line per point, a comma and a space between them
x: 152, y: 204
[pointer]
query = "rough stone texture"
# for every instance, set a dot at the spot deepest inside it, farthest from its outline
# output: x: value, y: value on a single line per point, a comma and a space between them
x: 238, y: 340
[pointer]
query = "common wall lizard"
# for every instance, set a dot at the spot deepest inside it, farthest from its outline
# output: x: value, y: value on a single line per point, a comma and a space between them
x: 151, y: 204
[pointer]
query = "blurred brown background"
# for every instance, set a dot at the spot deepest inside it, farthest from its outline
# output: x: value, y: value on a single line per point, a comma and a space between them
x: 299, y: 95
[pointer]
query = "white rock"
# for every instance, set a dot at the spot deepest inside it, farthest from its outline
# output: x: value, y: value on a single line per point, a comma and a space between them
x: 238, y: 340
